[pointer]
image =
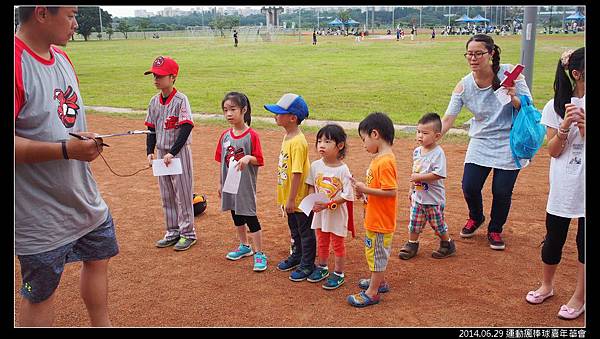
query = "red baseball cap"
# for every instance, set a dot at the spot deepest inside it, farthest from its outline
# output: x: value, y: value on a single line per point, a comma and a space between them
x: 163, y: 66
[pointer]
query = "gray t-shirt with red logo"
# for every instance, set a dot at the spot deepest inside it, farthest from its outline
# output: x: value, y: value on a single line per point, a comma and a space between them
x: 231, y: 146
x: 56, y: 202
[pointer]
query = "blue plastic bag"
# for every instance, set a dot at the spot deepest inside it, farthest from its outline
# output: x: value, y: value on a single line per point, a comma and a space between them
x: 527, y: 133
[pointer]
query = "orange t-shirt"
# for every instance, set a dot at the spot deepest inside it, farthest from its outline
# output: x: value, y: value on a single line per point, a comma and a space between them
x: 380, y: 212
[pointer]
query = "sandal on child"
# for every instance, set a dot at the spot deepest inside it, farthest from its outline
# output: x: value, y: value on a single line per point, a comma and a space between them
x: 409, y: 250
x: 362, y: 299
x: 535, y: 298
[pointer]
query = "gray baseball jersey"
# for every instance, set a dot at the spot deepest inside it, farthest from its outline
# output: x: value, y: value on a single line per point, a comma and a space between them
x: 56, y: 202
x: 236, y: 147
x: 176, y: 191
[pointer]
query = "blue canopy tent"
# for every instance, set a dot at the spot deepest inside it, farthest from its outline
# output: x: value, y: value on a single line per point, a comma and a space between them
x: 464, y: 18
x: 336, y: 22
x: 352, y: 22
x: 479, y: 18
x: 575, y: 16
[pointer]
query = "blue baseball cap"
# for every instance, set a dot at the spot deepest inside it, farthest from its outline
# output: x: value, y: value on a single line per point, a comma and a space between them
x: 290, y: 103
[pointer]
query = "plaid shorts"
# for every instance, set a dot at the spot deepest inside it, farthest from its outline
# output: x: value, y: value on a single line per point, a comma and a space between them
x: 420, y: 214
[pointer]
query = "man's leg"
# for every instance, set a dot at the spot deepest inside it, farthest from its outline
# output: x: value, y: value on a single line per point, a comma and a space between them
x: 94, y: 291
x: 37, y: 314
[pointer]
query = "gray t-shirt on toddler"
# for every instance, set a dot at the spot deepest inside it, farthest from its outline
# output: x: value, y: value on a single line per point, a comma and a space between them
x: 433, y: 192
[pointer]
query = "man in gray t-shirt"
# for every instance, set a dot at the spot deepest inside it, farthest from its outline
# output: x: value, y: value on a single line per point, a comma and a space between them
x: 60, y: 216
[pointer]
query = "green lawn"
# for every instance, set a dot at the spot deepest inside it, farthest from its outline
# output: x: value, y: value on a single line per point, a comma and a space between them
x: 339, y: 78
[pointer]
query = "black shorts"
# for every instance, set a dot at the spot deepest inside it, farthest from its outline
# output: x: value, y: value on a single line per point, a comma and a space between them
x: 250, y: 220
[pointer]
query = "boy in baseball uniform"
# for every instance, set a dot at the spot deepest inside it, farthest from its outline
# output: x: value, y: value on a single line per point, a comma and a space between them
x: 170, y: 117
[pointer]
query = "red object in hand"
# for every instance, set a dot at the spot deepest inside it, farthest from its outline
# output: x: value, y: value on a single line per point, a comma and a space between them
x: 509, y: 81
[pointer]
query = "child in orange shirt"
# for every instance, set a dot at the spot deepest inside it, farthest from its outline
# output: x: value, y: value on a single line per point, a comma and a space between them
x: 379, y: 193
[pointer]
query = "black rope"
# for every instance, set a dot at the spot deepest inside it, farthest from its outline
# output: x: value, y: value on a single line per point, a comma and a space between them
x: 113, y: 172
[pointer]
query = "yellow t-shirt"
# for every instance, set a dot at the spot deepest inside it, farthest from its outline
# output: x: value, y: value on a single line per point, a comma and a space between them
x: 293, y: 158
x: 380, y: 212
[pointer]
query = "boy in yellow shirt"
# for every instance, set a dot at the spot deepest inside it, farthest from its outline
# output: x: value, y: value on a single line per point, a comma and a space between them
x: 379, y: 193
x: 292, y: 169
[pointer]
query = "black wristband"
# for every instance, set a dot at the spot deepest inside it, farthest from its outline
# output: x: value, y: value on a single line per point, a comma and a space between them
x: 64, y: 149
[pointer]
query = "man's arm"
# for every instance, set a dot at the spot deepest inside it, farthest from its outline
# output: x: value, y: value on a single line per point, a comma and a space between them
x: 29, y: 151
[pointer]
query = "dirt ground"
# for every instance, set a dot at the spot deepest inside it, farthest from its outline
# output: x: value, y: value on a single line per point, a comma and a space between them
x: 148, y: 286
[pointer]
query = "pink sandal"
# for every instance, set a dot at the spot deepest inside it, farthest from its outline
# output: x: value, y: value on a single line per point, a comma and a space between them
x: 535, y: 298
x: 568, y: 313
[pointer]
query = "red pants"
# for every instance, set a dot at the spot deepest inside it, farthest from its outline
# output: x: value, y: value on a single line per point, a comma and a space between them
x: 324, y: 239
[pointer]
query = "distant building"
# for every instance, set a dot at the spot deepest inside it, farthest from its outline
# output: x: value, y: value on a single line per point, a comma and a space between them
x: 170, y: 12
x: 231, y: 11
x: 142, y: 13
x: 248, y: 11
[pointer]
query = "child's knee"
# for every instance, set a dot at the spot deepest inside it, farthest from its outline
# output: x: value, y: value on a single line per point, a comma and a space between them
x: 339, y: 247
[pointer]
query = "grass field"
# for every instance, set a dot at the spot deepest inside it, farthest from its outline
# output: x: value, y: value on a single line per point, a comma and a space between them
x: 339, y: 78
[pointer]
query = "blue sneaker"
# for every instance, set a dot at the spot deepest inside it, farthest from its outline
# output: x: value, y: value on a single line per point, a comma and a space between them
x: 383, y: 287
x: 318, y: 274
x: 333, y: 282
x: 242, y: 251
x: 287, y: 265
x: 260, y: 262
x: 300, y: 274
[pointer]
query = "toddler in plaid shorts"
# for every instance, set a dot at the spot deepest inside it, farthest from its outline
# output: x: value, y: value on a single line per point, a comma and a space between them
x: 427, y: 193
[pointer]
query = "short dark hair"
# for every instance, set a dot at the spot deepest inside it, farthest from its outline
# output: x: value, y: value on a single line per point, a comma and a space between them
x: 378, y: 121
x: 336, y: 133
x: 25, y: 12
x: 434, y: 118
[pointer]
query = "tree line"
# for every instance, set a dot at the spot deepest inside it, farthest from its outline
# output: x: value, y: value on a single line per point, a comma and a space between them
x: 89, y: 19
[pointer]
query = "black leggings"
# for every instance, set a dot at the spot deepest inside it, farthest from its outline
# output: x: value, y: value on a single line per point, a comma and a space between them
x: 556, y: 235
x: 241, y: 220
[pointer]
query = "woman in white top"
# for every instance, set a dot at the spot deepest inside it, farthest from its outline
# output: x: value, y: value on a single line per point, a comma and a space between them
x: 564, y: 117
x: 489, y: 147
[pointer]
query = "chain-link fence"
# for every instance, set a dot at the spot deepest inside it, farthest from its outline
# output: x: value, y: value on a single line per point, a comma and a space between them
x: 245, y: 34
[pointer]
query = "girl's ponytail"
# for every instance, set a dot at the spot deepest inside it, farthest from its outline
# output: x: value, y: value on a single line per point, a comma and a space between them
x: 563, y: 80
x: 563, y: 89
x: 496, y: 67
x: 248, y: 114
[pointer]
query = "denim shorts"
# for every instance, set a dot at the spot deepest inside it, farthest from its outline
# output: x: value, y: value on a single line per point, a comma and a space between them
x: 41, y: 272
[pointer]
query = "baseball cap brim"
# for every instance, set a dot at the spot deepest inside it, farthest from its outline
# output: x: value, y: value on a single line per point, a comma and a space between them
x: 275, y: 109
x: 156, y: 71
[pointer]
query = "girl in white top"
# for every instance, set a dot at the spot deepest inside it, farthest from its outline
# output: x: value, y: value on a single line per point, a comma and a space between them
x: 564, y: 117
x: 332, y: 219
